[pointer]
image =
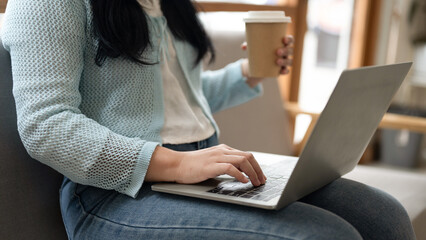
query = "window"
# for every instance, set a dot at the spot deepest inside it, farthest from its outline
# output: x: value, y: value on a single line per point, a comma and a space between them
x: 325, y: 55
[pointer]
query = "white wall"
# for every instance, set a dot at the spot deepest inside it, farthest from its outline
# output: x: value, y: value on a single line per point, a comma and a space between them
x: 394, y: 43
x: 394, y: 46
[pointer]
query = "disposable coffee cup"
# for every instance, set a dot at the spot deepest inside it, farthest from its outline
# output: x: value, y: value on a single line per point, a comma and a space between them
x: 264, y: 33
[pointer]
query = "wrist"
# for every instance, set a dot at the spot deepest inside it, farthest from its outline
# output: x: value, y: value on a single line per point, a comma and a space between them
x: 245, y: 68
x: 251, y: 81
x: 164, y: 165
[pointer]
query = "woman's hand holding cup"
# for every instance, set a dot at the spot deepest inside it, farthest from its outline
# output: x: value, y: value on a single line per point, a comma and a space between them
x: 284, y: 54
x: 283, y: 60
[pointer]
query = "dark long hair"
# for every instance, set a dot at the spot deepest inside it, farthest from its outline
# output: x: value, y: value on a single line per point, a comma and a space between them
x: 121, y: 28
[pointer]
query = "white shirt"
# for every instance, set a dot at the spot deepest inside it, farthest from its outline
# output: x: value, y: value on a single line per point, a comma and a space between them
x: 184, y: 120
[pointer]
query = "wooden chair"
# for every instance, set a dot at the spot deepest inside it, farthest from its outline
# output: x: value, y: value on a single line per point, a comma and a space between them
x: 390, y: 121
x: 3, y: 5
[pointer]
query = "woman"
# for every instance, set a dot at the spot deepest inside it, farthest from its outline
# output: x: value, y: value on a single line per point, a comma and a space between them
x: 110, y: 93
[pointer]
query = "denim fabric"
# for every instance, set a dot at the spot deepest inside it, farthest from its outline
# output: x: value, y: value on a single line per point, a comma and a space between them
x: 343, y: 209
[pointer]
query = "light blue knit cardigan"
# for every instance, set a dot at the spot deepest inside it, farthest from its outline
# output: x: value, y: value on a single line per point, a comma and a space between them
x: 97, y: 125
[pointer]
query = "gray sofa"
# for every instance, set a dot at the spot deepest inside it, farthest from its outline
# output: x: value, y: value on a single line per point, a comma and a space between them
x: 29, y: 203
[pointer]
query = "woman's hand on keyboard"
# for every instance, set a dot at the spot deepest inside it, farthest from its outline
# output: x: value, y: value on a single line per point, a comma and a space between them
x: 197, y: 166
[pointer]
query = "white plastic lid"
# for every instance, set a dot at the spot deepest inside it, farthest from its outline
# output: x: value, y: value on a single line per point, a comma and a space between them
x: 266, y: 17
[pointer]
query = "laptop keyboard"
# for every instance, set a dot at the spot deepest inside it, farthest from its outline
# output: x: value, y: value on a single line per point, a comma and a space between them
x: 277, y: 174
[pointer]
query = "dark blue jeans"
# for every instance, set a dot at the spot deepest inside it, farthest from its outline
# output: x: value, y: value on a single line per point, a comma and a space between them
x: 343, y: 209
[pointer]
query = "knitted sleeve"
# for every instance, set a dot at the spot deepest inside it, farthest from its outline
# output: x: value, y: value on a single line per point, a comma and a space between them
x: 227, y: 88
x: 46, y: 40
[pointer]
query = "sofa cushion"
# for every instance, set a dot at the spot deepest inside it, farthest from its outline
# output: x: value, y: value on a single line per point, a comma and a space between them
x: 407, y: 187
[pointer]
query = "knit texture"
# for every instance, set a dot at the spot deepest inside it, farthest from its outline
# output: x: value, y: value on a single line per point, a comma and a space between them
x: 96, y: 125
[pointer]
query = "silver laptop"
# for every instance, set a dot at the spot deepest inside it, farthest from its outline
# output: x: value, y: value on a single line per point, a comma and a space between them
x: 342, y: 133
